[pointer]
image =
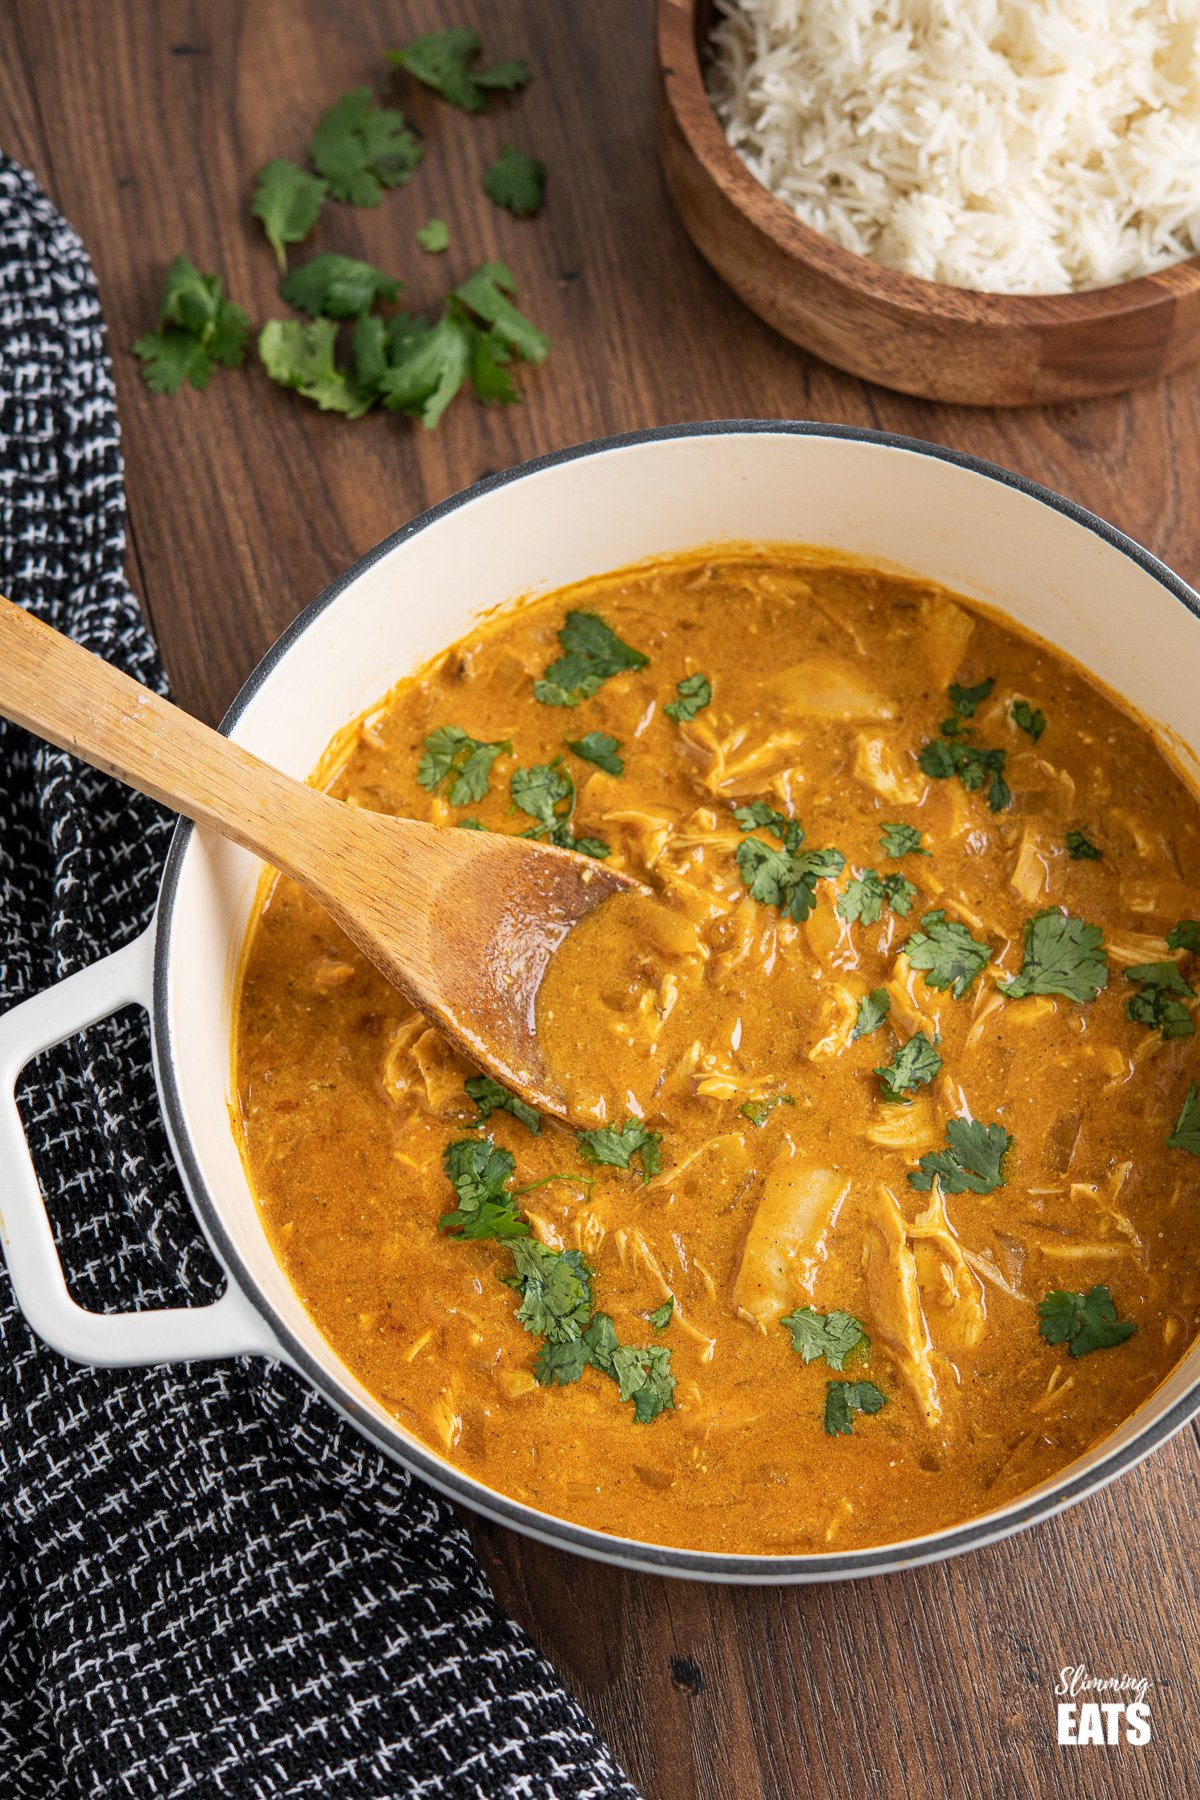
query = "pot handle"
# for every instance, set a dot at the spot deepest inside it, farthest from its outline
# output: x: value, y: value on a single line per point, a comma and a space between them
x: 230, y: 1326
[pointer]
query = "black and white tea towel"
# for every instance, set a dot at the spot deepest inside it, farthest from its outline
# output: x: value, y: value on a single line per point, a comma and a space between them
x: 209, y: 1585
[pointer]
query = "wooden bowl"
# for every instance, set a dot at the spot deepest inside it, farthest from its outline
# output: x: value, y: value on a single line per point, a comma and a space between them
x: 923, y: 337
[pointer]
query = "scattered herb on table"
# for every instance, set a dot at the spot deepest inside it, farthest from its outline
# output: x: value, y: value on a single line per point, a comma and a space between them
x: 901, y: 840
x: 337, y: 287
x: 971, y: 1163
x: 758, y: 1111
x: 452, y: 752
x: 834, y: 1335
x: 616, y: 1147
x: 196, y: 329
x: 490, y: 1097
x: 546, y: 793
x: 592, y: 654
x: 1063, y: 955
x: 442, y: 60
x: 867, y: 895
x: 597, y: 747
x: 434, y: 237
x: 1186, y: 1135
x: 845, y: 1398
x: 873, y: 1009
x: 303, y: 357
x: 1028, y: 719
x: 1081, y: 848
x: 946, y: 953
x: 1160, y: 1003
x: 1085, y: 1322
x: 914, y: 1064
x: 695, y: 692
x: 516, y: 182
x: 360, y: 148
x: 287, y: 200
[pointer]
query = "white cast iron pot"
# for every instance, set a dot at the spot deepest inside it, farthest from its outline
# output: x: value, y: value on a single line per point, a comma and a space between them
x: 972, y: 527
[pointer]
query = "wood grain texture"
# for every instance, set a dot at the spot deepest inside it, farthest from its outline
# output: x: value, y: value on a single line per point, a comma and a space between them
x: 146, y: 121
x: 921, y: 337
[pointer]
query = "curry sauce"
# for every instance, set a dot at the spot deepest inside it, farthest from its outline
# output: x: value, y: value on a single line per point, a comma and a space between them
x: 878, y: 1074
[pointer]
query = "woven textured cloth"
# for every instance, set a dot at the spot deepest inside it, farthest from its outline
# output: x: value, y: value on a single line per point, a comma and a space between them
x: 208, y: 1584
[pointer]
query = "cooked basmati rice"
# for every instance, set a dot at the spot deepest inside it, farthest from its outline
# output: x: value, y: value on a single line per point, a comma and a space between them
x: 1016, y: 146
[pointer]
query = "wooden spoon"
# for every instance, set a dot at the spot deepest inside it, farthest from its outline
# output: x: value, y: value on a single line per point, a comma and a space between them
x: 464, y: 923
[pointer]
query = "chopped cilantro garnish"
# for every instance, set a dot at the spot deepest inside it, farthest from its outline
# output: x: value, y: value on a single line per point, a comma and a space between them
x: 787, y: 878
x: 196, y: 329
x: 914, y: 1064
x: 844, y: 1398
x: 867, y: 895
x: 470, y: 824
x: 490, y: 1097
x: 1159, y: 1005
x: 451, y: 751
x: 1186, y: 1135
x: 971, y: 1164
x: 646, y: 1379
x: 1029, y: 719
x: 1063, y: 956
x: 873, y: 1009
x: 661, y: 1317
x: 479, y: 1175
x: 597, y: 747
x: 287, y: 200
x: 556, y: 1293
x: 516, y: 182
x: 834, y: 1335
x: 442, y: 60
x: 592, y: 655
x: 1185, y: 935
x: 695, y: 692
x: 434, y: 237
x: 946, y: 953
x: 941, y: 758
x: 336, y: 287
x: 757, y: 1110
x: 1081, y: 848
x: 360, y: 148
x: 1086, y: 1322
x: 302, y: 357
x: 559, y: 1364
x: 964, y: 700
x: 901, y: 840
x: 758, y: 815
x: 616, y: 1147
x: 541, y: 791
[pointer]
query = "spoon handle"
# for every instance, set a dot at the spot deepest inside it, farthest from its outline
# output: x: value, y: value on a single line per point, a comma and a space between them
x: 73, y: 699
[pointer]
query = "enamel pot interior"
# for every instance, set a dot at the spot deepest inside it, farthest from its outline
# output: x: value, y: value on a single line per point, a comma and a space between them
x: 975, y: 529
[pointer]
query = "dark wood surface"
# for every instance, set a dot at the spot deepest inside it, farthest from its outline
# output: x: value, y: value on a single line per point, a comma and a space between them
x: 146, y: 119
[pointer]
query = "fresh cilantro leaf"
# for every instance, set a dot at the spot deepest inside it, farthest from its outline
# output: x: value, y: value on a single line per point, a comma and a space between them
x: 971, y: 1164
x: 1062, y: 956
x: 442, y: 60
x: 867, y: 895
x: 1186, y: 1135
x: 645, y: 1378
x: 592, y: 655
x: 558, y: 1364
x: 287, y: 200
x: 1086, y: 1322
x: 479, y: 1175
x: 490, y: 1097
x: 597, y: 747
x: 1185, y: 935
x: 426, y: 365
x: 972, y: 764
x: 370, y: 353
x: 516, y: 182
x: 196, y: 328
x: 695, y: 692
x: 1028, y: 719
x: 600, y: 1341
x: 1081, y: 848
x: 873, y: 1009
x: 434, y: 237
x: 964, y: 700
x: 616, y: 1148
x: 489, y: 293
x: 914, y: 1064
x: 338, y: 287
x: 1159, y: 1005
x: 540, y: 792
x: 758, y: 814
x: 556, y: 1292
x: 757, y: 1111
x: 786, y: 878
x: 661, y: 1317
x: 360, y: 148
x: 470, y: 825
x: 302, y: 357
x: 844, y: 1398
x: 834, y: 1335
x: 946, y: 953
x: 901, y: 840
x: 451, y: 751
x: 489, y: 374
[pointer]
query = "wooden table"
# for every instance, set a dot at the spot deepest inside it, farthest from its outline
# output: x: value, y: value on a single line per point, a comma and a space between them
x: 145, y: 120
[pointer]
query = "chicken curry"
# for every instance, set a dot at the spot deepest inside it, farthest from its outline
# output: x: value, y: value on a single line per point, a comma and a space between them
x: 882, y: 1206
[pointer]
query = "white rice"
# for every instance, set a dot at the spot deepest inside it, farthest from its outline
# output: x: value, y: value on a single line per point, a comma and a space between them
x: 1004, y: 145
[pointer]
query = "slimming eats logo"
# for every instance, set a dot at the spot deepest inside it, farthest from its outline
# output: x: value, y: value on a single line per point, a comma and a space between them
x: 1102, y: 1709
